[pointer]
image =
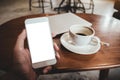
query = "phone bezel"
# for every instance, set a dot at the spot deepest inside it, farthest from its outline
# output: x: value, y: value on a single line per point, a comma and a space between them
x: 43, y: 63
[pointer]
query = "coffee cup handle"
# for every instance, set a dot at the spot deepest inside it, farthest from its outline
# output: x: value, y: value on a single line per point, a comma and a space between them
x: 70, y: 40
x: 95, y: 40
x: 71, y: 34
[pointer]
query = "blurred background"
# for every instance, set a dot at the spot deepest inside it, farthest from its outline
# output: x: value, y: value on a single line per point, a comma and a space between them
x: 10, y: 9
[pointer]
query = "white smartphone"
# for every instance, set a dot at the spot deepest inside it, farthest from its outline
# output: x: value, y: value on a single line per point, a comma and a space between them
x: 40, y: 42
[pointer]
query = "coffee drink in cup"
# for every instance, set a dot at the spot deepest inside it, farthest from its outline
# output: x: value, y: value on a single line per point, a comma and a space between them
x: 81, y: 35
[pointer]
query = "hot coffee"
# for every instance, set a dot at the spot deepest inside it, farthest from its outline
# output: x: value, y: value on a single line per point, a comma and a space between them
x: 82, y: 34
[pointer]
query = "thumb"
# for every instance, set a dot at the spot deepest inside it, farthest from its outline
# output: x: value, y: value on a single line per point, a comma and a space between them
x: 20, y: 40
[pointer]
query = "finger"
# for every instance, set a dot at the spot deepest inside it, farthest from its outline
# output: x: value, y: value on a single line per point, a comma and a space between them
x: 20, y: 40
x: 56, y: 47
x: 47, y: 69
x: 57, y: 55
x: 28, y: 55
x: 53, y: 35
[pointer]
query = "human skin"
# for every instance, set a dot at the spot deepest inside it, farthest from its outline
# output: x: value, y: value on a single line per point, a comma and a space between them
x: 22, y: 65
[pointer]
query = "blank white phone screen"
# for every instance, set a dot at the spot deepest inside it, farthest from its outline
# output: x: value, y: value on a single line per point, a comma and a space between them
x: 40, y: 41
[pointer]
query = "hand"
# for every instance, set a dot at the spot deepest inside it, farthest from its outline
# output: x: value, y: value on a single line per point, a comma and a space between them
x: 22, y: 65
x: 48, y: 68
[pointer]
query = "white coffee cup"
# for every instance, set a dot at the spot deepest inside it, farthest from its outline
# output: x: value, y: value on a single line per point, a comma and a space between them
x: 81, y: 35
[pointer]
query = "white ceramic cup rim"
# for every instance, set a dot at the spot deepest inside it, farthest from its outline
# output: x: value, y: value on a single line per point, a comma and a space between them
x: 76, y: 26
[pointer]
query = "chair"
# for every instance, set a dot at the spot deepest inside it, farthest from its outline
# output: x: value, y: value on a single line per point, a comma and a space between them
x: 40, y: 4
x: 90, y: 5
x: 74, y: 5
x: 116, y: 14
x: 70, y: 6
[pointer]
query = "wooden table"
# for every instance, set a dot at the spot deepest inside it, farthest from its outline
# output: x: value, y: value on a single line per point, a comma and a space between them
x: 105, y: 59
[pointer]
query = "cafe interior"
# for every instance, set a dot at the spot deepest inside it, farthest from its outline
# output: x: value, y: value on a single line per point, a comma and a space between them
x: 110, y: 9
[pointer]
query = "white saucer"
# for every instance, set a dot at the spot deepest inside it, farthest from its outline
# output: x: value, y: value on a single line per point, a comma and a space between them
x: 91, y: 48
